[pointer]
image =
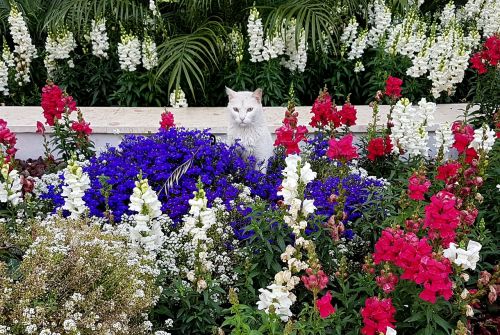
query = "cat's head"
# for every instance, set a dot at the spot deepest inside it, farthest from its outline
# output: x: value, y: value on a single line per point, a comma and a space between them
x: 245, y: 107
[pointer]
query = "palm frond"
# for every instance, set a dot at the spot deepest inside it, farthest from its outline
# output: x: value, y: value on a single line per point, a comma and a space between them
x: 314, y: 16
x: 177, y: 174
x: 187, y: 57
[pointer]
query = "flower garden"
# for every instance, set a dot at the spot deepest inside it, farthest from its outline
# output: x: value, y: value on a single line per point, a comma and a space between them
x: 395, y: 231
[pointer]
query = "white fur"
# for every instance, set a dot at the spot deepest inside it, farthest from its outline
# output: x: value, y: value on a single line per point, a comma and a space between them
x: 247, y: 123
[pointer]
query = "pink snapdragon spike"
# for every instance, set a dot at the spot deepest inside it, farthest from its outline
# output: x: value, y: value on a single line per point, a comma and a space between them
x: 324, y: 305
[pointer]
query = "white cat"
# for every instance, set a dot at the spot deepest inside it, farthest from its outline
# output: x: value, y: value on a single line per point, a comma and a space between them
x: 248, y: 124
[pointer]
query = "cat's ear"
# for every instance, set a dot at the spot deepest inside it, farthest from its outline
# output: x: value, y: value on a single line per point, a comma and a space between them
x: 258, y: 95
x: 230, y: 93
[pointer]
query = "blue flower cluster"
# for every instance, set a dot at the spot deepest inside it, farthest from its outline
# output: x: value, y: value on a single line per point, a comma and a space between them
x: 157, y: 156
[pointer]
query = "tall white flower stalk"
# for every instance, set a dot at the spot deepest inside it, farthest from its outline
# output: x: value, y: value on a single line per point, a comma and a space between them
x: 278, y: 296
x: 444, y: 140
x: 10, y: 187
x: 4, y: 78
x: 409, y: 132
x: 146, y: 233
x: 76, y: 182
x: 24, y: 50
x: 99, y: 38
x: 129, y: 52
x: 484, y: 139
x: 58, y: 46
x: 380, y: 18
x: 196, y: 225
x: 297, y: 53
x: 149, y: 54
x: 256, y: 36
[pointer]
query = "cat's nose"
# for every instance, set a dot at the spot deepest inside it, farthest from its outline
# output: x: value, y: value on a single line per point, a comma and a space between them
x: 242, y: 118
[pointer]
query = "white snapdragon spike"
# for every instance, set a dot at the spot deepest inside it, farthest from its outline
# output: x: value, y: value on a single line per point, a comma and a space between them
x: 10, y: 188
x: 380, y: 19
x: 467, y: 259
x: 358, y: 46
x: 58, y: 47
x: 350, y: 32
x: 274, y: 46
x: 409, y: 131
x: 484, y: 139
x: 4, y: 78
x: 178, y: 98
x: 76, y: 182
x: 489, y: 19
x: 24, y: 50
x: 472, y: 8
x: 256, y: 36
x: 129, y: 52
x: 99, y: 38
x: 444, y: 139
x: 146, y: 233
x: 7, y: 55
x: 149, y: 54
x: 279, y: 297
x: 297, y: 54
x: 153, y: 8
x: 236, y: 42
x: 448, y: 14
x: 359, y: 67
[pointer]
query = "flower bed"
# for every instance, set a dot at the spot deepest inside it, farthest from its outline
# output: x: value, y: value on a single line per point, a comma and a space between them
x: 176, y: 233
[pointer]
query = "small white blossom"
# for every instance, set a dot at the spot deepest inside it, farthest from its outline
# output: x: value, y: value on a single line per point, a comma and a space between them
x: 10, y: 187
x: 279, y: 298
x: 129, y: 52
x: 149, y: 55
x: 58, y: 47
x: 99, y: 38
x: 76, y: 182
x: 467, y: 259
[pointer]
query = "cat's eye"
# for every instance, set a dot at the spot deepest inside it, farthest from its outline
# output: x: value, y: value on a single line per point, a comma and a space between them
x: 235, y: 109
x: 249, y: 109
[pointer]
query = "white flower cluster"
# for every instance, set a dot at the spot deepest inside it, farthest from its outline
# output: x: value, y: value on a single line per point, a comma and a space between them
x: 380, y: 19
x: 178, y: 98
x: 297, y: 53
x: 146, y: 232
x: 358, y: 46
x: 58, y: 47
x: 488, y: 19
x: 278, y: 296
x: 10, y: 187
x: 149, y: 54
x: 129, y: 52
x: 153, y: 8
x: 4, y: 77
x: 410, y: 126
x: 350, y: 32
x: 236, y: 42
x: 467, y: 259
x: 24, y: 50
x: 484, y: 139
x: 76, y: 182
x: 99, y: 38
x: 444, y: 139
x: 256, y: 36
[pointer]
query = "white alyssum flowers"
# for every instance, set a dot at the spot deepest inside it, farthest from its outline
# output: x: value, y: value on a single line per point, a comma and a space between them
x: 99, y: 38
x: 76, y: 182
x: 410, y: 126
x: 467, y: 259
x: 10, y: 188
x: 149, y: 54
x: 24, y: 50
x: 146, y: 233
x: 129, y: 52
x: 58, y: 46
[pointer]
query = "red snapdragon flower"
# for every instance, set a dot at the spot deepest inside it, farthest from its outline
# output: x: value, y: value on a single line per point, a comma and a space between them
x: 342, y: 149
x: 393, y: 87
x: 40, y: 128
x: 347, y: 114
x: 448, y: 172
x: 463, y: 134
x: 81, y: 127
x: 490, y: 55
x: 378, y: 147
x: 55, y: 102
x: 477, y: 63
x: 8, y: 140
x: 167, y: 120
x: 324, y: 305
x: 470, y: 155
x: 290, y: 138
x: 417, y: 186
x: 324, y: 111
x: 434, y: 275
x: 314, y: 281
x: 378, y: 314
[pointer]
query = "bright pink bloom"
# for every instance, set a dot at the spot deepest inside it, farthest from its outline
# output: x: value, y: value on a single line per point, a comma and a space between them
x: 434, y: 276
x: 393, y: 87
x: 40, y: 128
x: 442, y: 218
x: 290, y: 138
x: 167, y: 120
x: 314, y: 281
x: 464, y: 134
x: 376, y: 148
x: 378, y: 314
x: 448, y: 172
x: 348, y: 114
x: 8, y: 140
x: 342, y: 149
x: 322, y: 110
x: 324, y: 305
x: 417, y: 186
x: 470, y: 155
x: 387, y: 282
